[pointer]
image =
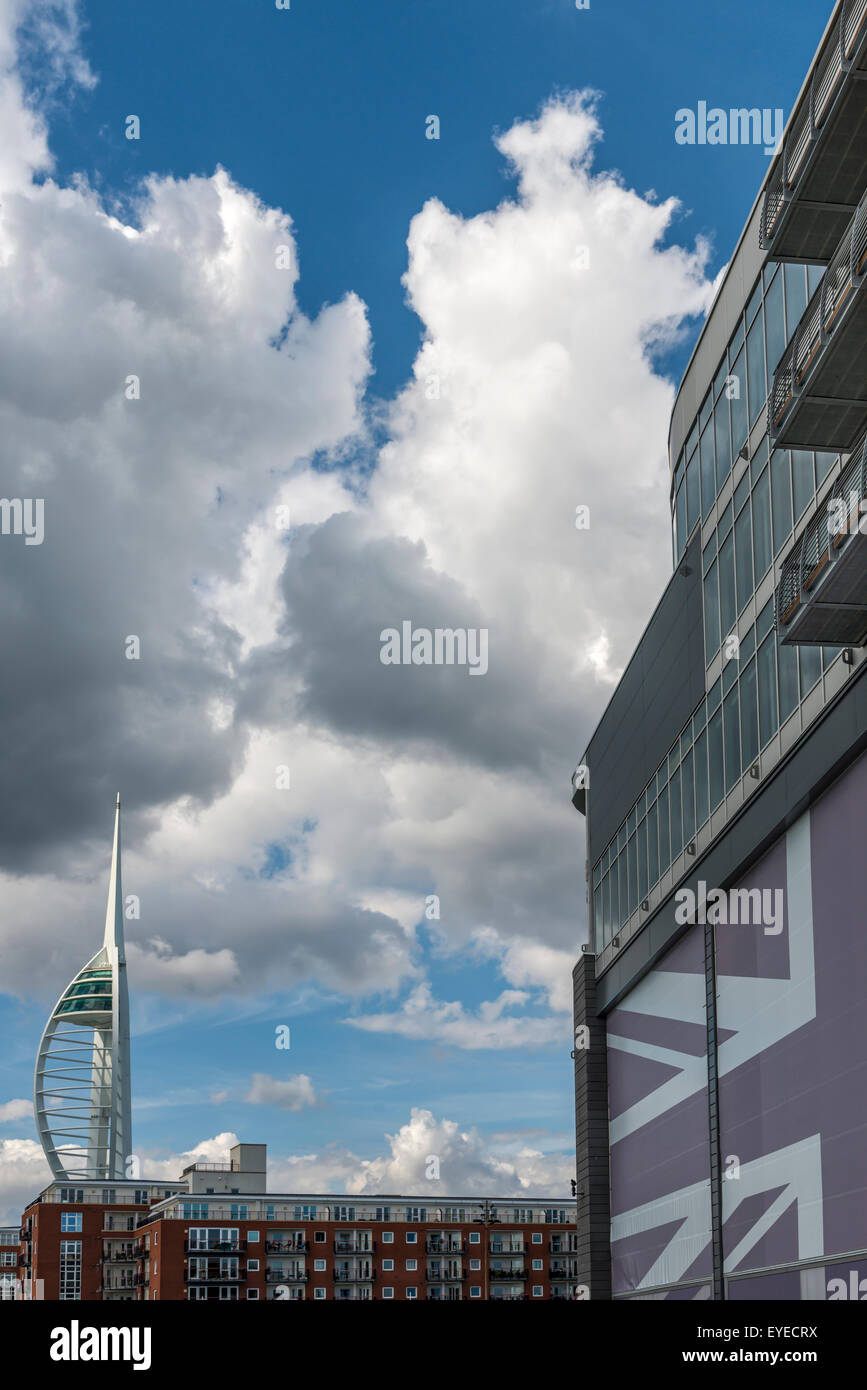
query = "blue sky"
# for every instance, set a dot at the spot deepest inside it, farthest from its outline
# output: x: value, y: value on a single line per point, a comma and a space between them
x: 320, y: 112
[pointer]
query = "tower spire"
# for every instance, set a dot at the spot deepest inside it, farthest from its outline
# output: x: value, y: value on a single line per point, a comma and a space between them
x: 114, y: 906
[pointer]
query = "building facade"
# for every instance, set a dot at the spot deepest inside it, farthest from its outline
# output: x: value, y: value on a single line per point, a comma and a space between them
x: 217, y: 1234
x: 720, y: 1064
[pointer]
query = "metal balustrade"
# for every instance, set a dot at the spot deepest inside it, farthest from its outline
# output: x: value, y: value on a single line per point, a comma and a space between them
x: 832, y: 112
x: 821, y: 598
x: 819, y: 394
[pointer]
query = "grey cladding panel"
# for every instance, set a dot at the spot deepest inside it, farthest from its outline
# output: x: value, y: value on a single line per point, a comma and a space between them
x: 657, y: 693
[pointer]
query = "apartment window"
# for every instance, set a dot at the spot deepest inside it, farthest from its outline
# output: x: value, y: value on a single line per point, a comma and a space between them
x: 252, y: 1295
x: 238, y: 1211
x: 253, y: 1237
x: 319, y: 1237
x: 109, y: 1194
x: 70, y: 1221
x: 8, y: 1258
x: 71, y: 1194
x: 388, y: 1265
x: 195, y: 1210
x: 319, y: 1266
x: 70, y: 1269
x: 537, y: 1264
x: 554, y: 1216
x: 388, y: 1292
x: 475, y: 1237
x: 383, y: 1214
x: 475, y: 1264
x: 388, y: 1237
x: 411, y: 1292
x: 319, y: 1293
x: 301, y: 1214
x: 253, y: 1265
x: 537, y: 1291
x: 475, y: 1291
x: 140, y: 1196
x: 229, y: 1294
x: 412, y: 1237
x: 412, y: 1264
x: 416, y: 1213
x: 537, y: 1237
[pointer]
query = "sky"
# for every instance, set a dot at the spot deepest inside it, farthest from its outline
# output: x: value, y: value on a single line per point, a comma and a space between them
x: 287, y: 372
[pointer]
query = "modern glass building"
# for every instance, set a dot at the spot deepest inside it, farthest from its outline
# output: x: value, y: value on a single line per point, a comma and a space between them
x: 720, y: 1066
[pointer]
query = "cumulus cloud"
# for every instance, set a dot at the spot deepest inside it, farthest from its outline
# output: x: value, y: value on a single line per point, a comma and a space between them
x: 230, y: 510
x: 489, y: 1027
x: 15, y: 1110
x: 289, y: 1093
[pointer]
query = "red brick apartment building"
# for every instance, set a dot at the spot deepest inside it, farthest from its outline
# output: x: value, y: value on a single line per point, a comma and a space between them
x: 218, y: 1234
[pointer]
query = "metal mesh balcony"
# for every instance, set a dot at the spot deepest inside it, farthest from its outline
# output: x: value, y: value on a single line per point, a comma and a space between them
x: 821, y: 170
x: 819, y: 395
x: 821, y: 598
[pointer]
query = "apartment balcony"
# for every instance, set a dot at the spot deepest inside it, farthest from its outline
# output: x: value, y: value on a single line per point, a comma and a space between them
x: 343, y: 1247
x: 821, y: 170
x: 287, y: 1247
x: 821, y: 598
x: 215, y: 1277
x: 285, y: 1276
x: 445, y: 1276
x: 510, y: 1275
x: 499, y: 1250
x: 216, y: 1247
x: 129, y: 1255
x: 819, y: 396
x: 342, y: 1276
x: 438, y: 1247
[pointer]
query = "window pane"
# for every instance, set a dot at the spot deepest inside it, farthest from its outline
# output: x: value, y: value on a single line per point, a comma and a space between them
x: 687, y: 796
x: 711, y: 615
x: 693, y: 509
x: 641, y: 840
x: 680, y: 520
x: 737, y: 389
x: 722, y: 430
x: 796, y: 296
x: 811, y: 667
x: 781, y: 495
x: 767, y: 682
x: 775, y: 327
x: 675, y: 816
x: 731, y: 712
x: 749, y: 716
x: 825, y: 460
x: 802, y: 479
x: 652, y: 847
x: 727, y: 612
x: 762, y: 525
x: 708, y: 471
x: 787, y: 665
x: 664, y: 839
x: 715, y: 755
x: 624, y: 892
x: 701, y: 806
x: 633, y: 876
x: 756, y: 366
x: 744, y: 558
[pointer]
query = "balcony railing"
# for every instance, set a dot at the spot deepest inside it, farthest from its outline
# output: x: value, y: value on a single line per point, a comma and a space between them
x: 438, y: 1247
x: 345, y: 1247
x: 215, y: 1277
x: 818, y: 399
x: 445, y: 1276
x: 809, y: 194
x: 341, y: 1276
x: 516, y: 1249
x: 285, y: 1276
x: 216, y: 1247
x: 288, y: 1247
x: 128, y: 1255
x: 821, y: 598
x: 513, y: 1274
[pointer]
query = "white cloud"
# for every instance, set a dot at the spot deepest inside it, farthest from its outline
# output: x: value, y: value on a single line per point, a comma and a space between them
x: 490, y: 1027
x: 289, y: 1093
x: 15, y: 1110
